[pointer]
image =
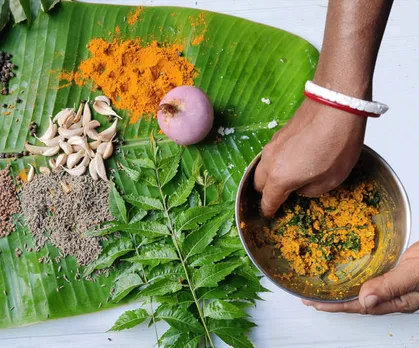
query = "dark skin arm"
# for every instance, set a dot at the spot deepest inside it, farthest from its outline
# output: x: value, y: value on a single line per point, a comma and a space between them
x: 318, y: 148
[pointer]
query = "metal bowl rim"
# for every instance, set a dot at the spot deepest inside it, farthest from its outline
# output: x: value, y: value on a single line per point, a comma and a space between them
x: 402, y: 191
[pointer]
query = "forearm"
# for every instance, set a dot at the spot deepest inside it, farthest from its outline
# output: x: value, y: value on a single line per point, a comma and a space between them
x: 354, y: 29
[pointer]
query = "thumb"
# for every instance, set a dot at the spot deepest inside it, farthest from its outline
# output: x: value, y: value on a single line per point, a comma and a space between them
x: 398, y: 282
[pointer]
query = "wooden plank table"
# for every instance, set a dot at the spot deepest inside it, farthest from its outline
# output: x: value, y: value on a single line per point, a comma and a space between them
x: 283, y: 321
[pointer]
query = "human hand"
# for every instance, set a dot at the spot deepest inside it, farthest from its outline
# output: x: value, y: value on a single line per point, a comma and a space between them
x: 313, y: 154
x: 395, y: 291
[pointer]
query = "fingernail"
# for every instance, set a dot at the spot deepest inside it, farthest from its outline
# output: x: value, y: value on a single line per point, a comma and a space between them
x: 370, y: 301
x: 307, y: 303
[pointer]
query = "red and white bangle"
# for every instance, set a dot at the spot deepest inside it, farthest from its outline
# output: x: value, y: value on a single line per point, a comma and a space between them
x: 343, y: 102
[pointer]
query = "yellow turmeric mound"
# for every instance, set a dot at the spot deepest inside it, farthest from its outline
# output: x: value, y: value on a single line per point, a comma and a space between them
x: 135, y: 77
x: 315, y: 235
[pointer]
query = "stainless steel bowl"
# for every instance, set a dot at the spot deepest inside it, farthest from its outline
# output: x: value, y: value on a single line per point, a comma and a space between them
x: 392, y: 237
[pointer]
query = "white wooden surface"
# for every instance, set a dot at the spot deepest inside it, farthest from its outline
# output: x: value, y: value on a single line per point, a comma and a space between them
x: 283, y: 321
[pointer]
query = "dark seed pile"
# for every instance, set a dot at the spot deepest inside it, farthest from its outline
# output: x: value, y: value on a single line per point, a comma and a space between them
x: 62, y: 218
x: 6, y: 71
x: 9, y: 203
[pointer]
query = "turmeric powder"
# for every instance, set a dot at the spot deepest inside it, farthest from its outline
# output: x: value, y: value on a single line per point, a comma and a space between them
x: 133, y: 76
x: 316, y: 235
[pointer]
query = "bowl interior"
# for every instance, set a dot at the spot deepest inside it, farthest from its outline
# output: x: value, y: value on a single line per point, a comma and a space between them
x: 393, y: 228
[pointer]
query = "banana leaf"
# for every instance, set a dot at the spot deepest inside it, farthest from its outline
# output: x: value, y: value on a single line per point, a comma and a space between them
x: 239, y: 63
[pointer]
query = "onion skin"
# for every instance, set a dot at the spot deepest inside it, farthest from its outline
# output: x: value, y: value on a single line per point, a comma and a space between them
x: 186, y: 115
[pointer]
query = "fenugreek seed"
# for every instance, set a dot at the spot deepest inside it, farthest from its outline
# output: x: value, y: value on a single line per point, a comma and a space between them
x: 12, y: 308
x: 57, y: 289
x: 66, y: 279
x: 107, y: 299
x: 59, y: 268
x: 5, y: 292
x: 103, y: 285
x: 61, y: 287
x: 100, y: 305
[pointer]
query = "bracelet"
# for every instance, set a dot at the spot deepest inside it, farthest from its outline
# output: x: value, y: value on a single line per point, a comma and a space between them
x: 343, y: 102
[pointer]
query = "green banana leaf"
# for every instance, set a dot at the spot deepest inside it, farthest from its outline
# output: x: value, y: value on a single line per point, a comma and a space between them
x: 239, y: 63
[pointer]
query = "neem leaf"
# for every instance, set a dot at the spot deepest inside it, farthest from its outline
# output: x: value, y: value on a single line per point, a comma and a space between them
x: 248, y: 272
x: 133, y: 174
x: 195, y: 199
x: 192, y: 217
x: 138, y: 216
x: 220, y: 292
x: 182, y: 193
x: 180, y: 318
x: 161, y: 254
x: 227, y: 326
x: 196, y: 241
x: 149, y: 229
x: 118, y: 248
x: 168, y: 168
x: 219, y: 309
x: 130, y: 319
x: 211, y: 254
x: 143, y: 202
x: 125, y: 284
x: 4, y: 13
x: 48, y: 5
x: 187, y: 340
x: 168, y: 270
x: 210, y: 275
x: 143, y: 163
x: 161, y: 287
x: 117, y: 204
x: 169, y: 337
x: 180, y: 299
x: 235, y: 340
x: 20, y: 10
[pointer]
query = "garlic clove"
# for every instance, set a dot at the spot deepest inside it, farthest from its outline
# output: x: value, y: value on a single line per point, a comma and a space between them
x: 103, y: 98
x: 61, y: 160
x: 52, y: 142
x: 62, y: 116
x: 38, y: 150
x: 82, y: 142
x: 87, y: 114
x: 95, y: 144
x: 101, y: 148
x: 108, y: 150
x: 80, y: 169
x: 74, y: 159
x: 90, y: 131
x: 108, y: 133
x: 68, y: 133
x: 52, y: 151
x: 103, y: 108
x: 50, y: 132
x: 67, y: 148
x: 44, y: 170
x: 52, y: 163
x: 100, y: 167
x: 76, y: 125
x: 92, y: 169
x: 69, y: 122
x: 31, y: 173
x: 77, y: 118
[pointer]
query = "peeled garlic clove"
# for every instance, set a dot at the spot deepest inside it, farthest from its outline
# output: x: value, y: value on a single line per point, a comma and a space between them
x: 92, y: 134
x: 52, y: 151
x: 103, y: 108
x: 82, y: 142
x: 62, y: 116
x: 95, y: 144
x: 50, y: 132
x: 52, y: 164
x: 92, y: 169
x: 67, y: 148
x: 77, y: 118
x: 31, y: 173
x: 40, y: 150
x: 100, y: 167
x: 108, y: 133
x: 108, y: 150
x: 76, y: 125
x: 90, y: 131
x: 61, y: 160
x: 101, y: 148
x: 77, y: 148
x: 74, y: 159
x: 44, y: 170
x: 69, y: 122
x: 68, y: 133
x: 103, y: 98
x: 87, y: 114
x: 79, y: 170
x: 35, y: 150
x: 52, y: 142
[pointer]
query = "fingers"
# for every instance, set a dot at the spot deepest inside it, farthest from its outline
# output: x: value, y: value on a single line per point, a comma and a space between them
x: 346, y: 307
x: 402, y: 280
x: 408, y: 303
x: 261, y: 175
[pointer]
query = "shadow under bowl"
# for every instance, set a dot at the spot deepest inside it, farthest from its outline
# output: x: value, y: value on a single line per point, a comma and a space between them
x: 393, y: 224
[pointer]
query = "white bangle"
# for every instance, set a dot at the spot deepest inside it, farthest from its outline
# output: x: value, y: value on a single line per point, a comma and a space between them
x: 364, y: 107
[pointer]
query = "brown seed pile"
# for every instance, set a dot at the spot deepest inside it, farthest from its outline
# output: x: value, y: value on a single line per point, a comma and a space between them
x: 9, y: 204
x: 60, y: 208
